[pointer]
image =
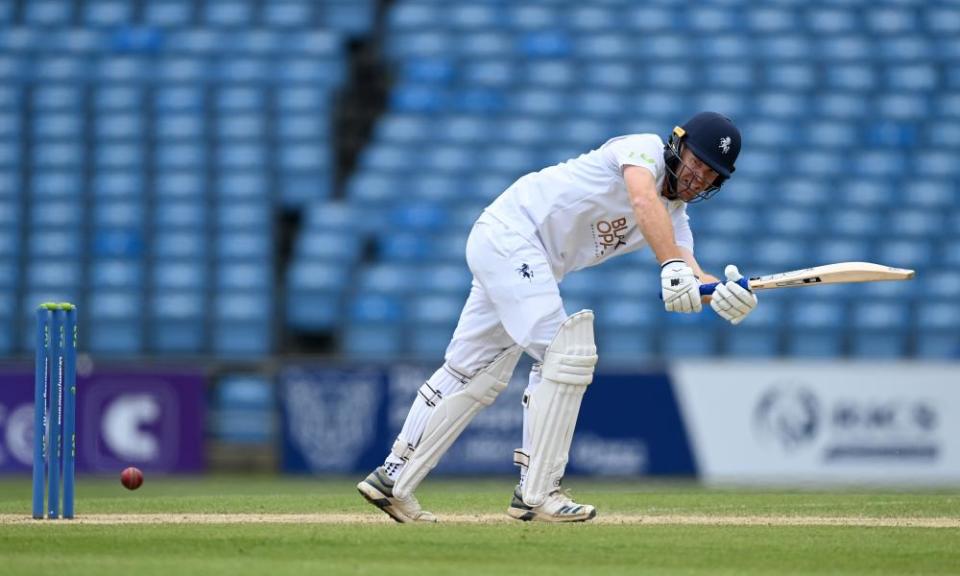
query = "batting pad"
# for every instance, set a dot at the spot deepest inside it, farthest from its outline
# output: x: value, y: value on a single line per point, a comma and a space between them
x: 555, y: 403
x: 451, y: 415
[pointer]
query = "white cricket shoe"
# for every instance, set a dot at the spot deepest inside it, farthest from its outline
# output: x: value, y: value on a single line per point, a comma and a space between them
x: 377, y: 488
x: 558, y: 507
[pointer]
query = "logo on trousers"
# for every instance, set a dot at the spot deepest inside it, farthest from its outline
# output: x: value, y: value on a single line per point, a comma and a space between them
x: 525, y: 271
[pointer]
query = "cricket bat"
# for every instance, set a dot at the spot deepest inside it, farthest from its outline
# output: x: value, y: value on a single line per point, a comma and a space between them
x: 839, y: 273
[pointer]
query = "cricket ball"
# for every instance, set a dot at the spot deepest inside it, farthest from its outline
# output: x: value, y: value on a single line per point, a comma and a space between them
x: 131, y: 478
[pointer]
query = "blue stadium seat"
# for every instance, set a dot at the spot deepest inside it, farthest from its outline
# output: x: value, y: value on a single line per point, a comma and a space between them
x: 929, y: 192
x: 9, y: 273
x: 241, y: 307
x: 176, y: 243
x: 815, y: 344
x: 906, y: 253
x: 244, y: 186
x: 120, y: 126
x: 843, y: 106
x: 242, y: 341
x: 309, y: 313
x: 489, y: 73
x: 435, y: 70
x: 750, y: 342
x: 10, y: 186
x: 372, y: 342
x: 940, y: 284
x: 57, y: 244
x: 833, y: 135
x: 253, y: 245
x: 428, y: 343
x: 244, y: 216
x: 843, y: 250
x: 435, y: 310
x: 227, y: 13
x: 688, y: 342
x: 305, y: 187
x: 451, y: 159
x: 449, y: 248
x: 890, y: 315
x: 532, y: 16
x: 180, y: 214
x: 241, y: 127
x: 117, y: 316
x: 243, y: 276
x: 389, y: 278
x: 119, y: 214
x: 779, y: 255
x: 376, y: 308
x: 883, y: 345
x: 621, y: 313
x: 62, y: 125
x: 793, y: 221
x: 349, y: 18
x: 937, y: 334
x: 304, y: 126
x: 178, y: 126
x: 316, y: 277
x: 169, y: 13
x: 9, y: 243
x: 828, y: 19
x: 422, y: 216
x: 288, y: 14
x: 851, y: 77
x: 108, y: 12
x: 627, y: 346
x: 119, y: 274
x: 48, y: 13
x: 856, y: 222
x: 405, y: 247
x: 450, y: 279
x: 185, y: 275
x: 328, y: 245
x: 136, y: 40
x: 49, y: 274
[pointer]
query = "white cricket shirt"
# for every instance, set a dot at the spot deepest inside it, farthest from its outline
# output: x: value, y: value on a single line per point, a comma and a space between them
x: 579, y: 210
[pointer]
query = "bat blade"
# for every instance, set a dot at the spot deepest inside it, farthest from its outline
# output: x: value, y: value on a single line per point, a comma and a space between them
x: 839, y: 273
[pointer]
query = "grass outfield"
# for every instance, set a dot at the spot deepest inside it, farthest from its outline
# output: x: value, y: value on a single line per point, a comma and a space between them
x: 660, y: 529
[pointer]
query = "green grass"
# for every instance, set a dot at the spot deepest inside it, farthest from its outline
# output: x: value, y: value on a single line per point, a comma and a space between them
x: 510, y: 548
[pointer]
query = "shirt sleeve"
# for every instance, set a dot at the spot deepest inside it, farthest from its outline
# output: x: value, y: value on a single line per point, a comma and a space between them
x: 681, y: 228
x: 644, y: 150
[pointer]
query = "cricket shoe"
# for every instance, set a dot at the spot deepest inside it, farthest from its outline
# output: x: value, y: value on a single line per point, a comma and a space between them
x: 377, y: 488
x: 558, y: 507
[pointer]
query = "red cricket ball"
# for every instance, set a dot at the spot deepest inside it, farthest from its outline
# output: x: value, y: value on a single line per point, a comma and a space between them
x: 131, y: 478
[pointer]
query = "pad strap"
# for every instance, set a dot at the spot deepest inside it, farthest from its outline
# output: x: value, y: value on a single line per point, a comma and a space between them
x: 402, y: 450
x: 521, y: 458
x: 430, y: 396
x: 450, y: 416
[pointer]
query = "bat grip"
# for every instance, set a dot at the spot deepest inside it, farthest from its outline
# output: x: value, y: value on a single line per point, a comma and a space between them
x: 707, y: 289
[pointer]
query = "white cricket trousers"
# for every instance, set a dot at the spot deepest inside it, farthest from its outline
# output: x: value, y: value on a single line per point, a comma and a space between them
x: 514, y: 298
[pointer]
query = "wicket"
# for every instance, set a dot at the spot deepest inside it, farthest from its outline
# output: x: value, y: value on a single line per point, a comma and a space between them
x: 54, y: 395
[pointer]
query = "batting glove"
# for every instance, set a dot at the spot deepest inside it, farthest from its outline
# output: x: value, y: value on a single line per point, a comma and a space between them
x: 679, y: 288
x: 732, y: 301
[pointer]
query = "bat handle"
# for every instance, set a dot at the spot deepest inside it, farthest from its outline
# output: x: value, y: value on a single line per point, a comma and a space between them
x: 707, y: 289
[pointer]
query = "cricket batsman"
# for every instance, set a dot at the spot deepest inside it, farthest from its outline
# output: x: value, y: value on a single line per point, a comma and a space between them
x: 629, y: 193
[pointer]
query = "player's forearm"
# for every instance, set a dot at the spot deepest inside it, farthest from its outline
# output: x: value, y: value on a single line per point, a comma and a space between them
x: 655, y: 225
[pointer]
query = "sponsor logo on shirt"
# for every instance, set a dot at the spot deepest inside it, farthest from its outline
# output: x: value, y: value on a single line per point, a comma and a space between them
x: 644, y: 157
x: 610, y: 234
